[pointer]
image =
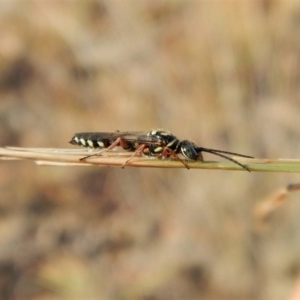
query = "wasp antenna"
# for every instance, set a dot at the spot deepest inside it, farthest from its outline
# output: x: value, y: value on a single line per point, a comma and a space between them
x: 216, y: 152
x: 221, y: 151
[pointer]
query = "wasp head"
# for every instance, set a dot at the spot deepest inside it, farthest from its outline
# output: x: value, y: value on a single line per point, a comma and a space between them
x: 190, y: 150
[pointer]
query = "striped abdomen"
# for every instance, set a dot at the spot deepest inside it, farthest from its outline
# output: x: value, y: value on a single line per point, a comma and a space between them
x: 91, y: 141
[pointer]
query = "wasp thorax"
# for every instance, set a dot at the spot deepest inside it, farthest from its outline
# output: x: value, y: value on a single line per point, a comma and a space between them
x: 163, y: 139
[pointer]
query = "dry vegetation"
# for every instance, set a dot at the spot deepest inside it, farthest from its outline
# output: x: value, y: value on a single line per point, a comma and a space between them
x: 225, y: 74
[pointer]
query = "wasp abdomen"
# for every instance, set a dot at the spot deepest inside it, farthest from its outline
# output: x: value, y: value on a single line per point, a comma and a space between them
x: 91, y: 143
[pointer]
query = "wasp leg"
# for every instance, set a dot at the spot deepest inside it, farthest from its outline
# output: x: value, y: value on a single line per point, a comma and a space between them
x: 167, y: 152
x: 116, y: 143
x: 138, y: 151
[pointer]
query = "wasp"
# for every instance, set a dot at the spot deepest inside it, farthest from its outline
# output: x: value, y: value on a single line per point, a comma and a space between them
x: 157, y: 143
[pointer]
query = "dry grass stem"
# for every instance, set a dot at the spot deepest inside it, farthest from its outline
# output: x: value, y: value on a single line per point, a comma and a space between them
x: 71, y: 157
x: 273, y: 201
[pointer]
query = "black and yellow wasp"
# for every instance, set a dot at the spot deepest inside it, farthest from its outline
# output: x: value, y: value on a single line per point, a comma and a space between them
x: 157, y: 143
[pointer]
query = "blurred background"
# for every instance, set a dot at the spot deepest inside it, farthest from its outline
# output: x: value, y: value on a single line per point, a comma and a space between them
x: 224, y: 74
